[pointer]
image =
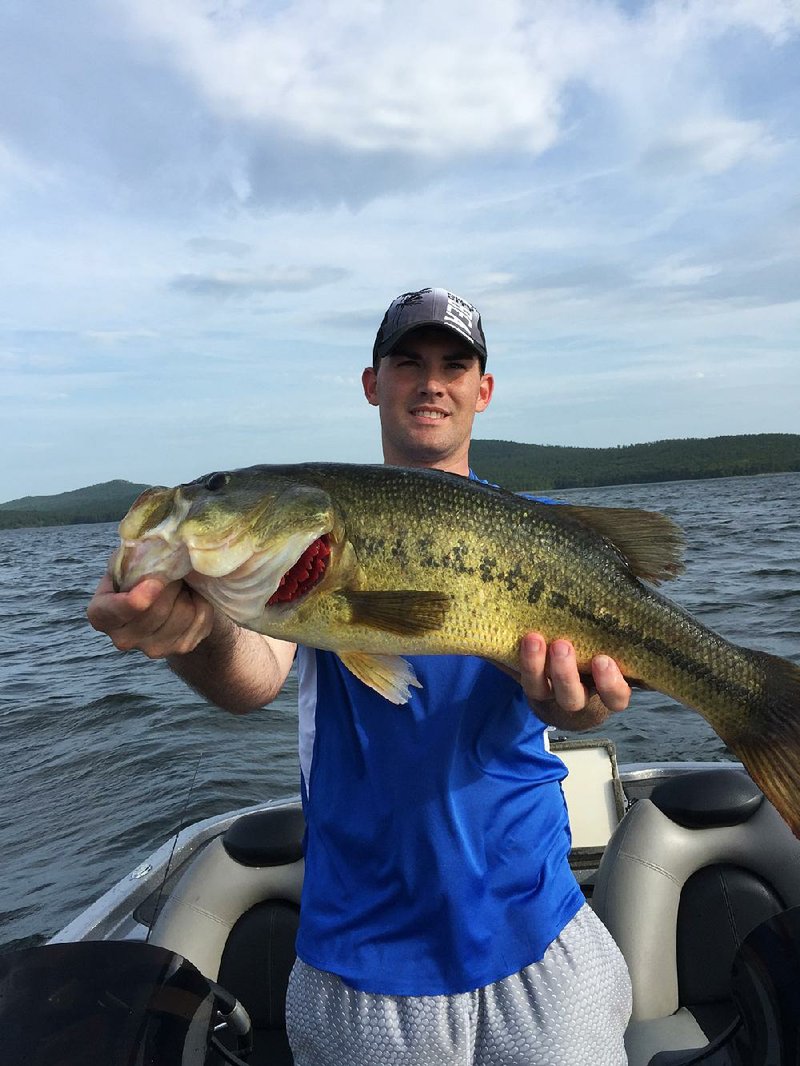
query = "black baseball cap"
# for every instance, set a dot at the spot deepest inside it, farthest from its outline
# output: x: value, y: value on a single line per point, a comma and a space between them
x: 430, y: 307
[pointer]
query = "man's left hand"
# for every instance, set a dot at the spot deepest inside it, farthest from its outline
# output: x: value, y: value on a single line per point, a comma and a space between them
x: 559, y: 695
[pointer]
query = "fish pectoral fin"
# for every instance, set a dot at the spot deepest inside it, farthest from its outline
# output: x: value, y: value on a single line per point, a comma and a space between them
x: 651, y: 543
x: 407, y: 613
x: 389, y: 675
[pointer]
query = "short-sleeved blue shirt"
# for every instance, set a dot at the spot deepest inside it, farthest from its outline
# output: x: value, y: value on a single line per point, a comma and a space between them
x: 437, y: 832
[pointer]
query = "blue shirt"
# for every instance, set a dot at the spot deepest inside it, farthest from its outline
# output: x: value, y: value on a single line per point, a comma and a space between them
x: 437, y: 833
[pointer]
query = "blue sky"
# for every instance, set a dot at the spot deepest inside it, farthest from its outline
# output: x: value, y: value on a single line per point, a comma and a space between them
x: 206, y: 207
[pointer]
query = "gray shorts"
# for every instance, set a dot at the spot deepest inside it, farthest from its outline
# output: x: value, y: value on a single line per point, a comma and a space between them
x: 570, y: 1009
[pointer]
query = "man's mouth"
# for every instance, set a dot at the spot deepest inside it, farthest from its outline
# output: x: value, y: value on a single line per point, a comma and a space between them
x: 428, y: 413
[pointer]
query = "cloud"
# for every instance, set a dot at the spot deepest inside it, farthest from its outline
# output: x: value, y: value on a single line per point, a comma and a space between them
x: 445, y: 79
x: 112, y: 337
x: 426, y: 79
x: 243, y: 283
x: 17, y: 172
x: 709, y: 146
x: 219, y: 246
x: 207, y: 204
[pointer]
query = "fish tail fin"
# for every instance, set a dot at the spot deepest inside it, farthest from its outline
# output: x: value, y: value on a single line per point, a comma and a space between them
x: 770, y: 749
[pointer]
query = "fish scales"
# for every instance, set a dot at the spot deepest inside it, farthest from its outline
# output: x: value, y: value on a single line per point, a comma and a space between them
x: 537, y: 571
x: 424, y: 562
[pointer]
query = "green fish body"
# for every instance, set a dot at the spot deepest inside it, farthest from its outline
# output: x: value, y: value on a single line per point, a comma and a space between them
x: 377, y: 562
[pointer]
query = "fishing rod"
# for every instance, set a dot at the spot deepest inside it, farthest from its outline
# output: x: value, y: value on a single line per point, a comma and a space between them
x: 233, y: 1017
x: 181, y: 827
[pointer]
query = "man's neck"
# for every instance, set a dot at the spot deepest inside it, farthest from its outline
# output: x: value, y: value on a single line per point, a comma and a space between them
x: 451, y: 466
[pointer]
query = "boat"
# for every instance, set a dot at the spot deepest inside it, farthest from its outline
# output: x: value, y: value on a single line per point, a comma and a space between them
x: 690, y: 867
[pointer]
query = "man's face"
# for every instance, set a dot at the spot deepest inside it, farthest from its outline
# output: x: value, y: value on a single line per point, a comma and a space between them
x: 428, y: 390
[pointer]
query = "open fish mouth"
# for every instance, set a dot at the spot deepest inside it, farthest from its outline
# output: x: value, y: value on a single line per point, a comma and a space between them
x: 306, y: 573
x: 268, y: 579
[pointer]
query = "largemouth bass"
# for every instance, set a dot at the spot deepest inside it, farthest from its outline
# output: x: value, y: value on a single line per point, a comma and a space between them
x: 377, y: 562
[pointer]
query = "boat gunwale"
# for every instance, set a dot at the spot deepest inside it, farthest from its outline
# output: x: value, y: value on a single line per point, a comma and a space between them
x: 111, y: 915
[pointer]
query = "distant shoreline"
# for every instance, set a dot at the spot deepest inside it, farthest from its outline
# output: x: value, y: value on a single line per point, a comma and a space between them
x: 519, y: 467
x: 553, y: 468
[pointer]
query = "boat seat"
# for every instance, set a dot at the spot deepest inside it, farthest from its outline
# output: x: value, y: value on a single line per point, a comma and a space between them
x: 234, y: 913
x: 685, y: 877
x: 766, y: 987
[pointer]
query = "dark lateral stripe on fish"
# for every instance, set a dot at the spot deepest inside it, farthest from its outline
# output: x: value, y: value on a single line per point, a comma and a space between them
x: 668, y: 652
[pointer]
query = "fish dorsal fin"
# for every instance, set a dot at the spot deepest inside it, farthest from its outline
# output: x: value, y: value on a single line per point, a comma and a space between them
x: 389, y: 675
x: 405, y: 612
x: 651, y: 543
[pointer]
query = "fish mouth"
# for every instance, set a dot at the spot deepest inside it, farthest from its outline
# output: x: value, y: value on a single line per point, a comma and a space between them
x: 305, y: 574
x: 267, y: 579
x: 151, y: 557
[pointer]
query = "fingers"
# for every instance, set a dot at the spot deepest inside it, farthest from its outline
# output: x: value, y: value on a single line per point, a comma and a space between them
x: 533, y: 667
x: 551, y: 674
x: 569, y: 691
x: 612, y: 688
x: 558, y: 693
x: 155, y: 618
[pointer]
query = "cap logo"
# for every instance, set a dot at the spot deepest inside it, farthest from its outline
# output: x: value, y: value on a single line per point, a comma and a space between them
x: 458, y: 315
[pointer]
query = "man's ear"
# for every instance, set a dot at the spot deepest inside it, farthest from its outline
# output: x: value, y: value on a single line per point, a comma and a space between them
x: 369, y: 381
x: 485, y: 392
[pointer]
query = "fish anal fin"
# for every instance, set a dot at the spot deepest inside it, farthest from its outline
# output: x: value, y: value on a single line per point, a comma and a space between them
x: 389, y: 675
x: 407, y: 613
x: 651, y: 543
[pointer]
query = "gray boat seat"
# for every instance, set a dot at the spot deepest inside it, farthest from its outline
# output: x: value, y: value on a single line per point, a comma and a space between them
x: 234, y: 913
x: 686, y: 876
x: 766, y: 987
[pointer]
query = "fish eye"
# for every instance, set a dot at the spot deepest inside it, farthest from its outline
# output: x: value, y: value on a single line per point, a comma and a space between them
x: 217, y: 481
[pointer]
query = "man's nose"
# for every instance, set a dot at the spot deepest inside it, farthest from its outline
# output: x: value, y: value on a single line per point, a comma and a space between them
x: 431, y: 383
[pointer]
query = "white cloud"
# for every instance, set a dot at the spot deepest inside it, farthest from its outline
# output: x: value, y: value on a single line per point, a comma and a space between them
x: 211, y: 202
x: 677, y: 271
x: 453, y: 77
x: 112, y: 337
x: 708, y: 146
x: 428, y: 79
x: 17, y: 172
x: 224, y: 283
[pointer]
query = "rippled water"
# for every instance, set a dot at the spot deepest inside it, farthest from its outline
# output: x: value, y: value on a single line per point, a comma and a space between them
x: 103, y: 754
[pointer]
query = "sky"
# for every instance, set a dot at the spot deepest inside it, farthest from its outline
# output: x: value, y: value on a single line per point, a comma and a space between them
x: 207, y: 205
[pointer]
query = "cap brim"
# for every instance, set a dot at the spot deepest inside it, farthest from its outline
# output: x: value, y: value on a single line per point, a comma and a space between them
x: 389, y: 345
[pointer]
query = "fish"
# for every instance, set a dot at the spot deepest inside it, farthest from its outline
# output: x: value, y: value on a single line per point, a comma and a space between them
x: 376, y: 563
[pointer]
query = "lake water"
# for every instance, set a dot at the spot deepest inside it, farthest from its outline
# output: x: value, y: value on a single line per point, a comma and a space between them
x: 102, y: 754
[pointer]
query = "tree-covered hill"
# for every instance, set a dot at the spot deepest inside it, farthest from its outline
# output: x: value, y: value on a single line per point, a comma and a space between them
x: 538, y: 466
x: 516, y: 466
x: 106, y: 502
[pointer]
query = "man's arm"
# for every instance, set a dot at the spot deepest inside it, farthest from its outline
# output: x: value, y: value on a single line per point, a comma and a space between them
x: 556, y: 692
x: 233, y: 667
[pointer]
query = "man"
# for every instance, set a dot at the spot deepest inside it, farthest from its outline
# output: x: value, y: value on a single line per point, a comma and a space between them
x: 440, y: 921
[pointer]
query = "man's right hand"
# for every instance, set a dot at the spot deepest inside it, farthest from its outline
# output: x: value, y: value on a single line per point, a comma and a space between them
x: 154, y: 617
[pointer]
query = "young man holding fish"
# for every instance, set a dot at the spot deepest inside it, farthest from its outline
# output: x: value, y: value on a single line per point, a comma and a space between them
x: 440, y: 921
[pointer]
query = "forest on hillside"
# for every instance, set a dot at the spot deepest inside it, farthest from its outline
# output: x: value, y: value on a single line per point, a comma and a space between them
x: 106, y: 502
x: 519, y: 467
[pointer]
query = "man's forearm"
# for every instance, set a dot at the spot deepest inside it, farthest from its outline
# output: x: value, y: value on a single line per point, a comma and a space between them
x: 234, y: 668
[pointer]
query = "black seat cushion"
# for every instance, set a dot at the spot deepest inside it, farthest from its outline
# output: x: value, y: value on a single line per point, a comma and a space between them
x: 271, y: 837
x: 720, y: 905
x: 255, y: 968
x: 708, y: 798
